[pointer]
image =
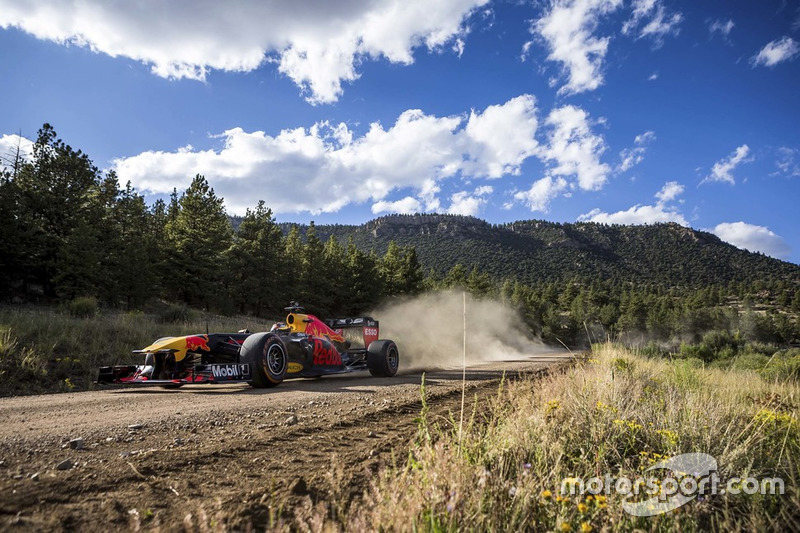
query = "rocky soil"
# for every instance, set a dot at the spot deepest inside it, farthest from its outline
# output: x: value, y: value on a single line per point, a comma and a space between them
x: 212, y: 456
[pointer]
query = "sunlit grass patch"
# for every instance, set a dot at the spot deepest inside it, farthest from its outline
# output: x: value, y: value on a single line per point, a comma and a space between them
x: 614, y: 413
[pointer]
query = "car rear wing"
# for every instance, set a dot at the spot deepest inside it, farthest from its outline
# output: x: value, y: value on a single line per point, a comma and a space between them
x: 360, y: 331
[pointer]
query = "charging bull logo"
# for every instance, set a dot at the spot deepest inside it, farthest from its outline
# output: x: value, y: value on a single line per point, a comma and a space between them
x: 318, y: 329
x: 197, y: 343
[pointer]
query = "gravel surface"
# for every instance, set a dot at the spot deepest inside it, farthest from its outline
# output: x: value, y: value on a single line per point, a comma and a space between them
x: 212, y: 454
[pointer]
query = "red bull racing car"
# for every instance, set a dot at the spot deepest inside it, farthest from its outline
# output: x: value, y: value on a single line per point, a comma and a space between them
x: 302, y: 346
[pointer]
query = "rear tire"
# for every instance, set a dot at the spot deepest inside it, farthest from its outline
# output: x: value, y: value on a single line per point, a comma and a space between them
x: 268, y: 359
x: 383, y: 358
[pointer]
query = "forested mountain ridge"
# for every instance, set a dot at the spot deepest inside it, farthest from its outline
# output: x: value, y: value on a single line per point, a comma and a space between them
x: 534, y: 251
x: 75, y: 237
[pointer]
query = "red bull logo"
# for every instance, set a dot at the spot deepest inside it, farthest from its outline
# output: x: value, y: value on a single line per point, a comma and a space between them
x: 197, y: 343
x: 325, y: 354
x: 318, y: 329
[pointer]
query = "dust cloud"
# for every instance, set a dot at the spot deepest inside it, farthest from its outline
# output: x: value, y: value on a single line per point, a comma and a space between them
x: 429, y: 331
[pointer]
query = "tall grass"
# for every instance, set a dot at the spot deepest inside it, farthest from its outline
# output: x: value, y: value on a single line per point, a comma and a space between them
x: 616, y: 413
x: 51, y: 350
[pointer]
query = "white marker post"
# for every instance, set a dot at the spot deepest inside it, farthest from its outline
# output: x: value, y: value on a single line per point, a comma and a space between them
x: 463, y: 375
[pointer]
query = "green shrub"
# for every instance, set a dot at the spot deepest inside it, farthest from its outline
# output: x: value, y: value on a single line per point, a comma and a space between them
x: 719, y: 341
x: 176, y: 313
x: 653, y: 349
x: 750, y: 361
x: 764, y: 348
x: 782, y: 368
x: 725, y: 353
x: 622, y: 364
x: 83, y: 307
x: 696, y: 351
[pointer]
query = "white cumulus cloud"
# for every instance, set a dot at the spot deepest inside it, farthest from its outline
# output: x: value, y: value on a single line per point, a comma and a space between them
x: 318, y: 44
x: 777, y: 51
x: 427, y: 195
x: 574, y: 150
x: 462, y: 203
x: 503, y: 136
x: 406, y: 205
x: 723, y: 28
x: 787, y: 162
x: 651, y: 19
x: 753, y: 238
x: 466, y: 203
x: 14, y: 150
x: 324, y: 167
x: 670, y: 191
x: 638, y: 214
x: 571, y: 156
x: 568, y: 29
x: 541, y: 193
x: 723, y: 169
x: 631, y: 157
x: 644, y: 214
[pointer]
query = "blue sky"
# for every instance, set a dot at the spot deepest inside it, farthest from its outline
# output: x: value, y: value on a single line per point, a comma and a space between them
x: 614, y: 111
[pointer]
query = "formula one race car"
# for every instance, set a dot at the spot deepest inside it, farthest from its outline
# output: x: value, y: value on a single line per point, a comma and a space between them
x: 303, y: 346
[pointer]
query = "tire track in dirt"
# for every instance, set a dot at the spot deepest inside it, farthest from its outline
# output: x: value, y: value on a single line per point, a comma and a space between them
x: 242, y: 464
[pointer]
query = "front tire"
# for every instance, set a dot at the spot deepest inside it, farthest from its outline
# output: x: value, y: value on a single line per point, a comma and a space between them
x: 268, y: 358
x: 383, y: 358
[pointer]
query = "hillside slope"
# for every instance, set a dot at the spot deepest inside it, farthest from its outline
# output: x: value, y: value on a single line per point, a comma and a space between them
x: 536, y: 250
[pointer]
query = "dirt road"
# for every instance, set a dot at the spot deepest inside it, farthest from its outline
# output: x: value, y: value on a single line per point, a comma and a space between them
x: 199, y: 456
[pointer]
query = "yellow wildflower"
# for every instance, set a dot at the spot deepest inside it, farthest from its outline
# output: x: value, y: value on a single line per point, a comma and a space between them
x: 670, y: 436
x: 551, y: 406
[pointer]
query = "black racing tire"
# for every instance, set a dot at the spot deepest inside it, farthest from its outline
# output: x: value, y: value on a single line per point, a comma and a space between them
x: 268, y: 358
x: 383, y: 358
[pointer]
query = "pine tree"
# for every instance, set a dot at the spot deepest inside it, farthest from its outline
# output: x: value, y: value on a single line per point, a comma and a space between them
x: 135, y: 260
x: 59, y: 205
x: 198, y: 236
x: 364, y: 283
x: 12, y: 235
x: 256, y: 259
x: 796, y: 301
x: 391, y: 268
x: 456, y: 277
x: 479, y: 284
x: 411, y: 272
x: 334, y: 257
x: 506, y: 290
x: 314, y: 290
x: 293, y: 264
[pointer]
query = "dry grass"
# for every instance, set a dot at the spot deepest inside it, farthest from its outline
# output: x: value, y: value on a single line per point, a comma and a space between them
x: 49, y: 350
x: 615, y: 413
